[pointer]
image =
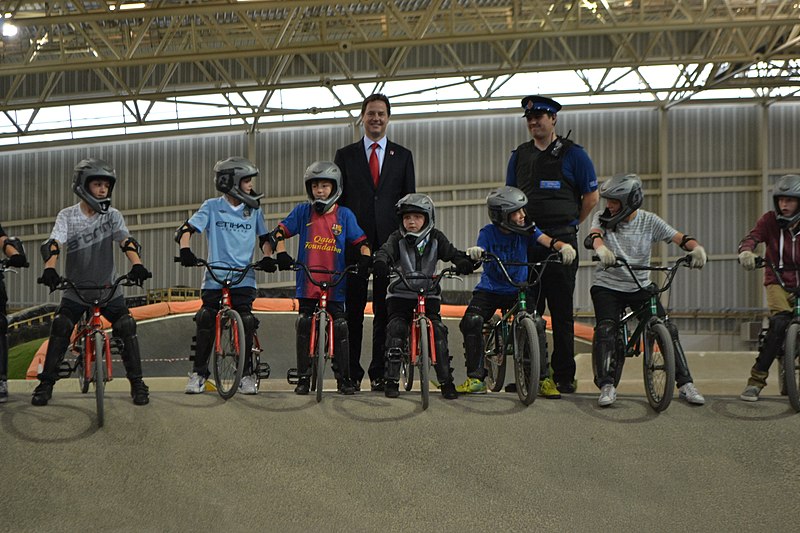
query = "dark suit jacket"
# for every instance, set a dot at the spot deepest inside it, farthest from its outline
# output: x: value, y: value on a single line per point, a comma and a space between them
x: 374, y: 209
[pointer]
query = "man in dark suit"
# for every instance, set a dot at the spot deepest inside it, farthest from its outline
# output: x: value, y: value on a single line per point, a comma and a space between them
x: 376, y: 173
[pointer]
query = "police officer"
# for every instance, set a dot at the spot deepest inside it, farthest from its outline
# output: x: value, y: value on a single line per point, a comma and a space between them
x: 559, y: 180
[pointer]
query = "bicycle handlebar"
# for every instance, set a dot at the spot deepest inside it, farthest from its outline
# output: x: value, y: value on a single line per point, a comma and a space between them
x: 489, y: 257
x: 226, y: 282
x: 670, y: 270
x: 336, y: 276
x: 65, y: 284
x: 433, y: 281
x: 762, y: 262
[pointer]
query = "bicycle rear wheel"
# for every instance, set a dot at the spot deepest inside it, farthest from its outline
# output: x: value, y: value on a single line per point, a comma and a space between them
x: 80, y: 367
x: 99, y: 376
x: 424, y: 362
x: 319, y: 358
x: 659, y: 366
x: 791, y: 365
x: 229, y: 362
x: 527, y: 360
x: 494, y: 355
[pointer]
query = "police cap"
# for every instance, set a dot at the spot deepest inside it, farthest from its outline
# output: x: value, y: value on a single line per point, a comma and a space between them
x: 534, y: 103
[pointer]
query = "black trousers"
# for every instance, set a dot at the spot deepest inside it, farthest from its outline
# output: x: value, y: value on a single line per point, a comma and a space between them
x: 555, y: 290
x: 356, y: 300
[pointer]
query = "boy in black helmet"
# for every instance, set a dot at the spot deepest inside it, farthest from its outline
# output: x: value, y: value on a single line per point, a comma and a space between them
x: 778, y: 229
x: 325, y: 229
x: 415, y: 248
x: 87, y: 232
x: 625, y: 230
x: 12, y: 248
x: 509, y: 236
x: 233, y: 223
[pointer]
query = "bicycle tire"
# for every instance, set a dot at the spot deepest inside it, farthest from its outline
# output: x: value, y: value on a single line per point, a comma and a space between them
x: 791, y: 365
x: 319, y: 358
x: 424, y: 362
x: 527, y: 360
x: 229, y: 362
x: 658, y: 366
x: 406, y: 371
x: 80, y: 368
x: 99, y: 376
x: 494, y: 355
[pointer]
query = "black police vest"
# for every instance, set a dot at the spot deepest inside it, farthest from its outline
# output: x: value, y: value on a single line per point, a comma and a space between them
x: 552, y: 200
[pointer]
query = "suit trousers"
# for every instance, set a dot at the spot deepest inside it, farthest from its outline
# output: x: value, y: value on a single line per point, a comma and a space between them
x: 356, y: 300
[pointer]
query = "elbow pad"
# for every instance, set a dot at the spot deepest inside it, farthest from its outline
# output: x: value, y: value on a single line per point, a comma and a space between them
x: 184, y: 228
x: 49, y: 248
x: 14, y: 243
x: 131, y: 245
x: 588, y: 242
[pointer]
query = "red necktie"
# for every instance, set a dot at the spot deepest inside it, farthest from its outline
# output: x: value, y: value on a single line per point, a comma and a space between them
x: 374, y: 166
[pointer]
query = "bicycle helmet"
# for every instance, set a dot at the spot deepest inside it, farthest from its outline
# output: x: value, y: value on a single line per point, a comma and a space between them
x: 323, y: 170
x: 787, y: 186
x: 416, y: 203
x: 627, y: 188
x: 85, y: 171
x: 228, y: 175
x: 504, y: 201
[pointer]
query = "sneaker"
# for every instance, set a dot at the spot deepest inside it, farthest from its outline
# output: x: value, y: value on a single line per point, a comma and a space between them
x: 140, y: 392
x: 42, y: 393
x: 391, y: 389
x: 345, y: 387
x: 750, y: 393
x: 3, y: 391
x: 376, y: 385
x: 248, y: 385
x: 548, y: 389
x: 472, y: 386
x: 303, y: 386
x: 449, y: 391
x: 196, y: 385
x: 567, y: 387
x: 690, y: 393
x: 608, y: 395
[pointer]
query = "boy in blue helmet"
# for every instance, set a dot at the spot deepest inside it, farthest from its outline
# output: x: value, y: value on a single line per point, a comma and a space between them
x: 87, y: 232
x: 325, y: 229
x: 509, y: 236
x: 233, y: 224
x: 12, y: 248
x: 415, y: 248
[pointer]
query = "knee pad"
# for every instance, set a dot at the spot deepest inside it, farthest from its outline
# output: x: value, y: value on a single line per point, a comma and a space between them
x: 303, y: 325
x: 3, y: 325
x: 340, y: 328
x: 124, y: 327
x: 61, y: 326
x: 249, y: 321
x: 204, y: 318
x: 605, y: 330
x: 471, y: 324
x: 397, y: 328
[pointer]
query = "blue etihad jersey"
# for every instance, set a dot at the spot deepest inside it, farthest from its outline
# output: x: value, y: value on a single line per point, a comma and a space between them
x: 232, y: 234
x: 322, y: 243
x: 508, y: 247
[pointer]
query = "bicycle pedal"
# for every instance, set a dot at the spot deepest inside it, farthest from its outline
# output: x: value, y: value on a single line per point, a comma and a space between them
x: 263, y: 371
x: 292, y: 376
x: 65, y: 370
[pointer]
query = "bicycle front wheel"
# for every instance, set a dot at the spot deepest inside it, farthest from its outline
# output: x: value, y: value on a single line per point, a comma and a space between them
x: 424, y: 362
x: 791, y: 365
x: 659, y: 366
x: 229, y: 361
x: 99, y: 376
x: 494, y: 355
x: 319, y: 358
x: 527, y: 360
x: 80, y: 366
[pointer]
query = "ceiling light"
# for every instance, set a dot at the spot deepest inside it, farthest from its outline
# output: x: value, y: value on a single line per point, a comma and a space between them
x: 9, y: 30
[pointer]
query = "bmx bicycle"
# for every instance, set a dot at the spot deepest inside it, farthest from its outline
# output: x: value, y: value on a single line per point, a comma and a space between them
x: 228, y: 358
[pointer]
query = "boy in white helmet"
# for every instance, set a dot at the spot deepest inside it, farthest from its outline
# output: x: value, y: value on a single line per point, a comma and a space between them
x: 625, y: 230
x: 778, y: 229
